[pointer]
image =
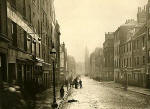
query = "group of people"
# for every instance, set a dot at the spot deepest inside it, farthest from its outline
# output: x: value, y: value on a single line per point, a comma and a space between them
x: 75, y: 83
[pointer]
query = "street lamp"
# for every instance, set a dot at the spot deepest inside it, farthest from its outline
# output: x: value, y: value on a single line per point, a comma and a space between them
x: 53, y: 53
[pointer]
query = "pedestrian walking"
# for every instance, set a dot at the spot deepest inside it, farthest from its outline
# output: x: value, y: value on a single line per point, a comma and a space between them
x: 62, y: 91
x: 80, y: 82
x: 66, y: 83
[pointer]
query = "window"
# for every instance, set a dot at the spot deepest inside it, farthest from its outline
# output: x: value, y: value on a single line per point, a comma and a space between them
x: 149, y: 56
x: 39, y: 50
x: 29, y: 14
x: 14, y: 33
x: 149, y: 33
x: 143, y: 59
x: 34, y: 47
x: 127, y: 47
x: 24, y: 8
x: 127, y: 62
x: 137, y: 60
x: 130, y: 62
x: 137, y: 44
x: 29, y: 44
x: 13, y: 3
x: 130, y: 46
x: 38, y: 4
x: 25, y: 40
x: 38, y: 27
x: 143, y: 41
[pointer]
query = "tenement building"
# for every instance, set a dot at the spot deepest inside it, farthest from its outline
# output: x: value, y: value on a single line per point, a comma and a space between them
x: 28, y: 31
x: 130, y: 51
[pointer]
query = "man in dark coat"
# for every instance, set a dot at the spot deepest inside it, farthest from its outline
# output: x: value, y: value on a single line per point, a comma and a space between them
x: 80, y: 82
x: 62, y: 91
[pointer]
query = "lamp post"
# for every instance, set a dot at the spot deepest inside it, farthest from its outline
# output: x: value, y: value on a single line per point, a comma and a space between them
x: 53, y: 53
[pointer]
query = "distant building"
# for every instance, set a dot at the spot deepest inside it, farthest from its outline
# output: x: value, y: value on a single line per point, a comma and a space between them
x: 80, y: 68
x: 97, y: 64
x: 71, y: 67
x: 63, y: 63
x: 87, y: 62
x: 108, y: 50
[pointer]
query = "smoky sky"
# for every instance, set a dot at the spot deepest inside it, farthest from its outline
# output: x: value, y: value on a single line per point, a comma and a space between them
x: 84, y: 22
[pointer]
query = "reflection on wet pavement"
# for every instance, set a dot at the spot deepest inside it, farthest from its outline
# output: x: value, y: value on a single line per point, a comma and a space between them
x: 96, y: 95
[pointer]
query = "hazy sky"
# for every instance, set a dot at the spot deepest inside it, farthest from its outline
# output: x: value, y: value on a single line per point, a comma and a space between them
x: 84, y: 22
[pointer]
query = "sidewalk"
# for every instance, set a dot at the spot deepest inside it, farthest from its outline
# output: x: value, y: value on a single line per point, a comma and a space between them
x: 44, y: 100
x: 140, y: 90
x: 62, y: 101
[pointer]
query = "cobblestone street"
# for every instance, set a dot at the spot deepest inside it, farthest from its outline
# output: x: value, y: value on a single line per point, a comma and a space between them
x: 99, y: 95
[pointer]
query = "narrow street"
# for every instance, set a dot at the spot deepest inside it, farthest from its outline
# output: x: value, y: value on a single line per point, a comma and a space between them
x: 99, y: 95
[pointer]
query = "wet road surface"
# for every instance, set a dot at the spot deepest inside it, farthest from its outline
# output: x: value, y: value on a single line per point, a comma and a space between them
x: 97, y: 95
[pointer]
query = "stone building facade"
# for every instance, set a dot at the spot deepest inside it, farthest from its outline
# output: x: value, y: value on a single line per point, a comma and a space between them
x: 130, y: 58
x: 97, y: 64
x: 63, y: 63
x: 4, y: 41
x: 32, y: 30
x: 108, y: 50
